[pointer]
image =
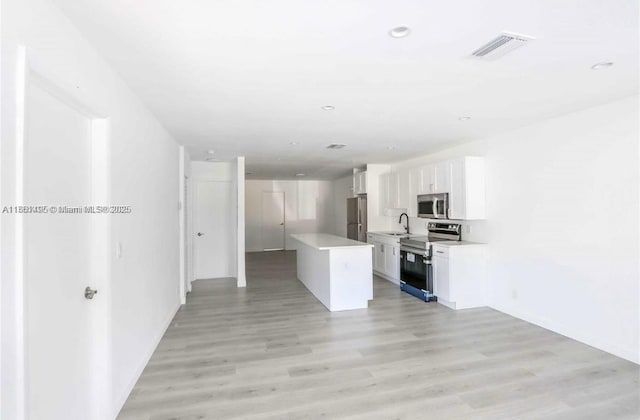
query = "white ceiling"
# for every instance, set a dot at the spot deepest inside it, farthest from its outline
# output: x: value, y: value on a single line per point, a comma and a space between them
x: 248, y: 77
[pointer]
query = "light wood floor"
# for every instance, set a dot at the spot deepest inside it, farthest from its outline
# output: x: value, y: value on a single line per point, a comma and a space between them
x: 272, y: 351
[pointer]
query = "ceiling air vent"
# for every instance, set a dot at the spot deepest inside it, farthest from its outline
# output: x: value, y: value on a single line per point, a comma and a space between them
x: 506, y: 42
x: 336, y: 146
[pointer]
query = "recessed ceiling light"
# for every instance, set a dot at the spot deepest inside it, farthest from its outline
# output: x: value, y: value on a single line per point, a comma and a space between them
x: 299, y: 174
x: 400, y: 31
x: 212, y: 160
x: 211, y: 152
x: 464, y: 118
x: 293, y: 143
x: 328, y: 107
x: 391, y: 147
x: 603, y: 65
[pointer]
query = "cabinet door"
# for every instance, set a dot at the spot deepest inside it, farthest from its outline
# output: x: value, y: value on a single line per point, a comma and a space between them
x: 442, y: 287
x: 441, y: 177
x: 404, y: 190
x: 362, y: 182
x: 415, y: 184
x: 457, y: 195
x: 392, y: 262
x: 394, y: 191
x: 428, y: 179
x: 384, y: 193
x: 379, y: 260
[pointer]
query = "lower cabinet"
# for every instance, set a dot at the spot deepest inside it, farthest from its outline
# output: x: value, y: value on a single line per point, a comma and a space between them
x: 392, y: 263
x: 460, y: 275
x: 386, y: 257
x: 379, y: 261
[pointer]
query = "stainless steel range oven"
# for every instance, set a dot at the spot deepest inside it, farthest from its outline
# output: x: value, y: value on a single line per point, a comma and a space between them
x: 416, y: 272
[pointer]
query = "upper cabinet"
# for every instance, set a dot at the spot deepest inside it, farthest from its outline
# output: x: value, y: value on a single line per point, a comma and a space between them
x: 360, y: 183
x: 435, y: 178
x: 467, y: 191
x: 404, y: 190
x: 389, y: 191
x: 415, y: 188
x: 462, y: 178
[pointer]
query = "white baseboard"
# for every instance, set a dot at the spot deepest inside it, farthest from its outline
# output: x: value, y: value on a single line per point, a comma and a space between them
x: 590, y: 340
x: 120, y: 401
x: 229, y: 277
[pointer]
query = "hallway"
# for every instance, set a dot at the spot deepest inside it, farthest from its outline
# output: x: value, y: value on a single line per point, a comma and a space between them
x: 272, y: 351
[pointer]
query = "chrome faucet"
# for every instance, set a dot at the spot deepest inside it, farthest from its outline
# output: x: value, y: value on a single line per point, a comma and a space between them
x: 406, y: 228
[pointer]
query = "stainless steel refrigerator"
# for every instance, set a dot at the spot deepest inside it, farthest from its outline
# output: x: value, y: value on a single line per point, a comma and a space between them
x: 357, y: 218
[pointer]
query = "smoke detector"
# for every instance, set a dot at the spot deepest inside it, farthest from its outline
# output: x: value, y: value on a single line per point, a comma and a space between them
x: 503, y: 44
x: 336, y: 146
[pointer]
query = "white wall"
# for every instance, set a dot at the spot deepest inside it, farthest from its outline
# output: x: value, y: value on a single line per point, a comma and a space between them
x: 144, y: 174
x: 562, y: 224
x: 342, y: 189
x: 309, y: 208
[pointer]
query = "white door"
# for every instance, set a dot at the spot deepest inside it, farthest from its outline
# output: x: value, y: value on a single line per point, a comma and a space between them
x: 64, y: 339
x: 187, y: 235
x: 272, y: 221
x: 214, y: 230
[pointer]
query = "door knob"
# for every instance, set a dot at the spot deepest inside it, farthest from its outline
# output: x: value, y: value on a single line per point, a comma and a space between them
x: 89, y: 293
x: 282, y: 224
x: 200, y: 233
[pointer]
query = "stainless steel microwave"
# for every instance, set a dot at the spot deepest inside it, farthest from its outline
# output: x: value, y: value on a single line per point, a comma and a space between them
x: 433, y: 206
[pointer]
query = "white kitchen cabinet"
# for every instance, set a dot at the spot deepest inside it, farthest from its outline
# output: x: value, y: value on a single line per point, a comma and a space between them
x: 360, y: 183
x: 427, y: 179
x: 404, y: 190
x: 393, y: 199
x: 467, y: 190
x: 415, y: 186
x: 392, y: 262
x: 442, y: 181
x: 379, y: 260
x: 386, y: 259
x: 460, y: 275
x: 383, y: 186
x: 441, y: 275
x: 389, y: 192
x: 435, y: 178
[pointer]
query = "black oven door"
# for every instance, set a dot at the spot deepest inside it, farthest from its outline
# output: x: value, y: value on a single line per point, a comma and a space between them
x: 415, y: 270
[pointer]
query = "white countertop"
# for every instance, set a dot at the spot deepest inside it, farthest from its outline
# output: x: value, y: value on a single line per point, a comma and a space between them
x: 323, y: 241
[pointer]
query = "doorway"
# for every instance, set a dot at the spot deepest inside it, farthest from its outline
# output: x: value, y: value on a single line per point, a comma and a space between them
x: 64, y: 256
x: 273, y: 221
x: 214, y: 227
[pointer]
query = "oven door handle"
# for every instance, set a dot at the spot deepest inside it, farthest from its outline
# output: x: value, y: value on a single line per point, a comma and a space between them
x: 420, y: 252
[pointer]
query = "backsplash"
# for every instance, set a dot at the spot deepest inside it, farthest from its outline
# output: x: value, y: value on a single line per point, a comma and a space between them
x: 472, y: 230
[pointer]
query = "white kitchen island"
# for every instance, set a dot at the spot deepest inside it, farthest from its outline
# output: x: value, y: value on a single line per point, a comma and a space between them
x: 338, y: 271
